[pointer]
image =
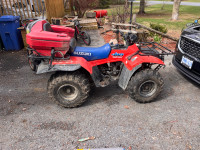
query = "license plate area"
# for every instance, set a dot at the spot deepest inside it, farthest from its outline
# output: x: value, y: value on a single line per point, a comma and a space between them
x: 187, y: 62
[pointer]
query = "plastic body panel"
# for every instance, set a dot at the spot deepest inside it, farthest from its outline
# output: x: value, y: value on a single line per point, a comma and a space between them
x: 44, y: 41
x: 114, y: 56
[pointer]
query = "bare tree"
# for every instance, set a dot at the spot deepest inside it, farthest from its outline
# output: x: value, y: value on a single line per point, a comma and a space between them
x: 142, y: 7
x: 81, y: 6
x: 175, y: 11
x: 120, y: 14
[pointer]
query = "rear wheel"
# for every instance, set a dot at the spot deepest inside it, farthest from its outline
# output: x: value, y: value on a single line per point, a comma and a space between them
x: 145, y: 86
x: 69, y: 89
x: 86, y: 38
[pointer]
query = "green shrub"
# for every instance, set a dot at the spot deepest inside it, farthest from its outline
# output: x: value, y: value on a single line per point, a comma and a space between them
x: 160, y: 28
x: 117, y: 2
x: 104, y: 4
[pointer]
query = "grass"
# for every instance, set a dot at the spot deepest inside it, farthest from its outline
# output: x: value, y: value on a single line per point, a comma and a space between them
x: 154, y: 14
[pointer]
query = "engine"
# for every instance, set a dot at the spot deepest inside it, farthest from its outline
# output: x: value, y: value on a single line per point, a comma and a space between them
x: 111, y: 70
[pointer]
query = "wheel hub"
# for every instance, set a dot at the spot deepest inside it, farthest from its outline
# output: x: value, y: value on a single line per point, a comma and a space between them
x: 68, y: 92
x: 147, y: 88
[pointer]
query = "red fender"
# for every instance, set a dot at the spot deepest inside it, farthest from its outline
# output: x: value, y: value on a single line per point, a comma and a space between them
x: 75, y: 60
x: 137, y: 60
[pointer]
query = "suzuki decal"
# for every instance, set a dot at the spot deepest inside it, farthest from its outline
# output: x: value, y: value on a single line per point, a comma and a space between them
x: 83, y: 53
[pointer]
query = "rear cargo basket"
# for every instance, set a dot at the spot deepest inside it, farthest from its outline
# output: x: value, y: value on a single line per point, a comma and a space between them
x: 44, y: 41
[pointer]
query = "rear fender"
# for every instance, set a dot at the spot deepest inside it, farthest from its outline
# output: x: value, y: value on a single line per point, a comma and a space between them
x: 73, y: 64
x: 44, y: 68
x: 131, y: 66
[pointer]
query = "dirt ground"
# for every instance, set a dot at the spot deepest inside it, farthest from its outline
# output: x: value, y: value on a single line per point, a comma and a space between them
x: 30, y: 120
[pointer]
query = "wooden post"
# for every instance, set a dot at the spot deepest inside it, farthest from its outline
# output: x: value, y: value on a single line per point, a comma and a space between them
x: 23, y: 9
x: 15, y: 7
x: 134, y: 17
x: 30, y: 8
x: 11, y: 7
x: 4, y: 10
x: 38, y: 7
x: 7, y: 7
x: 19, y: 9
x: 34, y: 8
x: 42, y: 6
x: 54, y: 9
x: 27, y: 9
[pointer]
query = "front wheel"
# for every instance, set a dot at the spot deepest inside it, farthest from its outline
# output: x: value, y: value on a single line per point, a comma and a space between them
x: 69, y: 89
x: 145, y: 86
x: 86, y: 38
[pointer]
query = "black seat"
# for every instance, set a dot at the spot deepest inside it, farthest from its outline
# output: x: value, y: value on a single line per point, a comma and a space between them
x: 47, y: 27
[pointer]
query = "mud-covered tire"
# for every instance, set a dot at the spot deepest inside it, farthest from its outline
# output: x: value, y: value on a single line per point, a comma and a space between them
x: 69, y: 89
x: 145, y: 86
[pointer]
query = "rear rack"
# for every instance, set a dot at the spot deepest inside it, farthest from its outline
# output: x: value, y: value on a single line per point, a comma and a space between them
x: 152, y: 49
x: 51, y: 58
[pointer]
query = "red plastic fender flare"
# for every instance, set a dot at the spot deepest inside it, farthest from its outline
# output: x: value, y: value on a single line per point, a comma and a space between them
x: 131, y: 66
x: 75, y: 60
x: 138, y: 59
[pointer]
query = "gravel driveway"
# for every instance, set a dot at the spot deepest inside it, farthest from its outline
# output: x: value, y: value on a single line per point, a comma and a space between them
x: 30, y: 120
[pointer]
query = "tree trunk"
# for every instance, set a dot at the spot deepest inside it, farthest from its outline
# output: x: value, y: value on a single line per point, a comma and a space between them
x: 72, y: 7
x: 175, y: 11
x: 142, y: 7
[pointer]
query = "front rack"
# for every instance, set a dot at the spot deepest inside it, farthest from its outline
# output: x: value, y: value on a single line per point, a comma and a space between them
x: 152, y: 49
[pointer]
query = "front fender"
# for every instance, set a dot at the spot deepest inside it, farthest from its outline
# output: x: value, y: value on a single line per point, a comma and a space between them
x: 126, y: 75
x: 137, y: 60
x: 131, y: 66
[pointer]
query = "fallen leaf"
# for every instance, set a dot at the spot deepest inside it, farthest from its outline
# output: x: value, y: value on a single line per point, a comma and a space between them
x: 126, y: 107
x: 130, y: 148
x: 39, y: 89
x: 24, y: 120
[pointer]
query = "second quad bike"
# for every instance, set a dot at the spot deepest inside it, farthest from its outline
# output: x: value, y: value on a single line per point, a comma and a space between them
x: 77, y: 70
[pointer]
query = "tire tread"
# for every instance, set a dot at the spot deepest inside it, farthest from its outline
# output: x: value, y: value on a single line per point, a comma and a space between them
x: 76, y: 77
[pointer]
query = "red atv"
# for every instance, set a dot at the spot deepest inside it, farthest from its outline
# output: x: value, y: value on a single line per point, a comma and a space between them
x: 78, y: 69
